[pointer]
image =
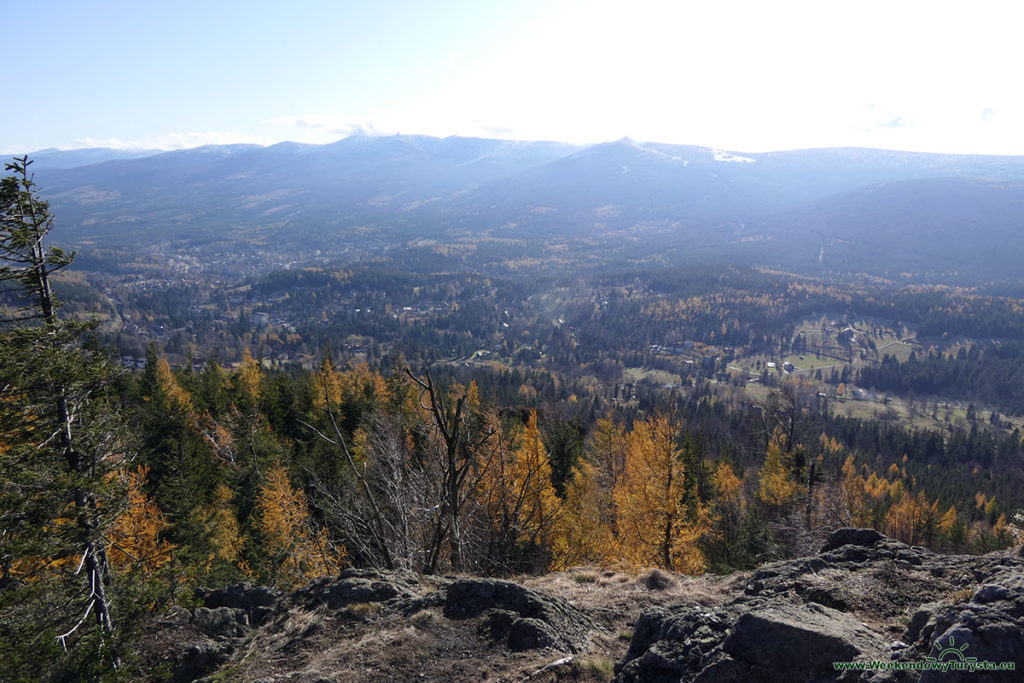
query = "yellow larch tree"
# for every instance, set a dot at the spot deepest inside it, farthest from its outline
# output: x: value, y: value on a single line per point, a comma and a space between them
x: 294, y: 552
x: 135, y: 542
x: 652, y: 524
x: 519, y: 500
x: 248, y: 378
x: 326, y: 384
x: 586, y: 533
x: 221, y: 524
x: 911, y: 519
x: 589, y: 529
x: 855, y: 496
x: 172, y: 391
x: 729, y: 504
x: 538, y: 505
x: 776, y: 485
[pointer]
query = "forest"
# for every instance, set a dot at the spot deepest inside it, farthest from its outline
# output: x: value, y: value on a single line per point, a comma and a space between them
x: 301, y: 421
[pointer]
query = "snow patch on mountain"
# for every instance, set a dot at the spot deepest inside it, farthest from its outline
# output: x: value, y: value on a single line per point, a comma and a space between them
x: 685, y: 162
x: 722, y: 155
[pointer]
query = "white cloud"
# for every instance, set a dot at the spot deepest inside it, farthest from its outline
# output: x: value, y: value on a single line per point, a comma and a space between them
x: 321, y: 128
x: 172, y: 140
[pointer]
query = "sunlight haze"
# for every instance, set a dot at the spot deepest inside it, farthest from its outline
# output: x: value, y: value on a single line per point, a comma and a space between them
x: 745, y: 76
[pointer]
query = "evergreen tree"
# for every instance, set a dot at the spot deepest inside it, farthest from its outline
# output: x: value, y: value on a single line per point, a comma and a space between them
x: 60, y: 440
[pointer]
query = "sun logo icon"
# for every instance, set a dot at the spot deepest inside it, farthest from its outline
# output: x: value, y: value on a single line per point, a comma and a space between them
x: 951, y: 651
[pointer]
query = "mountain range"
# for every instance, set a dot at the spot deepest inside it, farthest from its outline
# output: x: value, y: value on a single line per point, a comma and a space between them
x: 847, y: 209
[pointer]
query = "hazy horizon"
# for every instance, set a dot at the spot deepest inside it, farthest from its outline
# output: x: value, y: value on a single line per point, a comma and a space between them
x: 740, y: 75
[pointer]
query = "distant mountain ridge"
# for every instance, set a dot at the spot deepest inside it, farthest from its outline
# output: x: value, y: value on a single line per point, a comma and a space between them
x: 848, y: 208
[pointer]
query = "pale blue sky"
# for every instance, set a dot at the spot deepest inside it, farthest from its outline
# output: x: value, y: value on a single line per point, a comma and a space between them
x: 748, y: 75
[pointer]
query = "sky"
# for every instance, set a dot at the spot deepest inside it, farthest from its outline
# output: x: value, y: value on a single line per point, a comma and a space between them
x: 750, y: 76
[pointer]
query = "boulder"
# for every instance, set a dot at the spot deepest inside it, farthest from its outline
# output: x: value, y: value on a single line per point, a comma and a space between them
x: 795, y: 617
x: 221, y: 622
x: 851, y: 536
x: 256, y: 601
x: 201, y: 658
x: 548, y: 621
x: 800, y: 642
x: 764, y: 641
x: 988, y: 628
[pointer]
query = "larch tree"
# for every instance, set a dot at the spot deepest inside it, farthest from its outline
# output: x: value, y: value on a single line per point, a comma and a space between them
x: 776, y: 485
x: 293, y: 550
x: 654, y: 526
x: 588, y: 532
x: 135, y: 538
x: 518, y: 497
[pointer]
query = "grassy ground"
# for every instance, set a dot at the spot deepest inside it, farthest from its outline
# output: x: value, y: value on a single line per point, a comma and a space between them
x: 924, y: 413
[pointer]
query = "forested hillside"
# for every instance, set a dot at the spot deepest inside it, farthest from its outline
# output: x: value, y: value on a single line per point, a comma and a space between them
x: 469, y: 409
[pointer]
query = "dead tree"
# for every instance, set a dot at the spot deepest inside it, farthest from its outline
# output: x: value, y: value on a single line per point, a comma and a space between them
x: 457, y: 454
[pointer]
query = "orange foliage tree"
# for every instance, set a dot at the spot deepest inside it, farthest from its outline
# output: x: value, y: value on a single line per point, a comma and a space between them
x: 652, y: 524
x: 519, y: 500
x: 293, y: 551
x: 135, y: 537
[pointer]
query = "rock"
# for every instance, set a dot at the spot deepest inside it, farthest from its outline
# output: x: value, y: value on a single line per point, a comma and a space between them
x: 531, y: 634
x: 851, y: 536
x: 918, y: 621
x: 256, y: 601
x: 550, y: 621
x: 988, y: 628
x: 221, y: 622
x: 201, y: 658
x: 799, y: 642
x: 670, y: 643
x: 990, y: 593
x: 795, y: 617
x: 767, y: 640
x: 498, y: 623
x: 399, y: 590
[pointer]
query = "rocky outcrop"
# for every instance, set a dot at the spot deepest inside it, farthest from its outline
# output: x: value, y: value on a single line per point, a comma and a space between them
x: 990, y: 627
x: 210, y: 634
x: 255, y: 601
x: 796, y: 618
x: 525, y: 619
x: 400, y: 589
x: 506, y: 614
x: 863, y: 597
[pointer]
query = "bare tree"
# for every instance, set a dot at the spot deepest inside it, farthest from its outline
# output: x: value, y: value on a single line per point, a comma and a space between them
x: 456, y: 460
x: 387, y: 521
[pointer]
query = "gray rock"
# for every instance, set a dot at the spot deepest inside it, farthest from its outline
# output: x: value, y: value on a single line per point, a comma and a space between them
x: 793, y: 618
x: 221, y: 622
x: 799, y: 642
x: 201, y: 658
x: 355, y: 586
x: 990, y: 593
x: 531, y: 634
x: 851, y: 536
x: 256, y: 601
x: 564, y: 627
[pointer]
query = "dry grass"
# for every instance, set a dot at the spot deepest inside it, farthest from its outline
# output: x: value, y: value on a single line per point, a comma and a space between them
x: 368, y: 642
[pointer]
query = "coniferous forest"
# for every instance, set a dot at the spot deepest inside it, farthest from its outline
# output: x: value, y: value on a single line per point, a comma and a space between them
x: 162, y: 433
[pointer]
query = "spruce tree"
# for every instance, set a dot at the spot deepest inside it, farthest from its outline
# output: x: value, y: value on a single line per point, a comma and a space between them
x: 58, y: 442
